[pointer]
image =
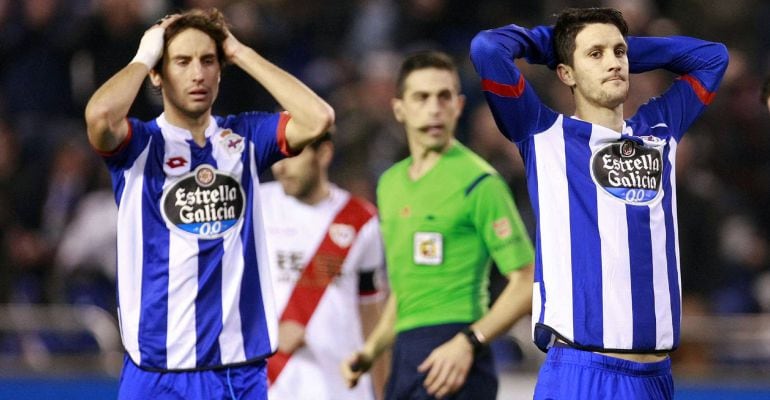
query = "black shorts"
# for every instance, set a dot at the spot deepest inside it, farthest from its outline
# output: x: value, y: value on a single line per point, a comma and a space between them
x: 412, y: 347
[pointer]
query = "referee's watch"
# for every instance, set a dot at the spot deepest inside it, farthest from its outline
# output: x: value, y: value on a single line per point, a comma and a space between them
x: 475, y: 338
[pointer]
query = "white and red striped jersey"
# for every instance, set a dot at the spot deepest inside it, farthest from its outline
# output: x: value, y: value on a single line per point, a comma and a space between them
x: 294, y: 232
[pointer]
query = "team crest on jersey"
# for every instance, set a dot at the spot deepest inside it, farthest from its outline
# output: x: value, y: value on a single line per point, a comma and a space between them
x: 342, y: 235
x: 232, y: 142
x: 630, y: 171
x: 205, y: 202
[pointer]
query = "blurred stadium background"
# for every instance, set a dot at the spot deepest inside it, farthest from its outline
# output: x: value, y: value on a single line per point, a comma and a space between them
x: 58, y: 333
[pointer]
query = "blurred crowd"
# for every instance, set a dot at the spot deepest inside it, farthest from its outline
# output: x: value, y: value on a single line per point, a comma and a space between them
x: 57, y: 210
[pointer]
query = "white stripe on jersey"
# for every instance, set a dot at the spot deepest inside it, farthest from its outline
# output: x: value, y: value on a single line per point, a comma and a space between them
x: 183, y: 287
x: 131, y: 262
x: 268, y: 299
x: 616, y: 272
x: 183, y: 283
x: 231, y: 340
x: 553, y: 194
x: 616, y: 264
x: 664, y: 328
x: 664, y: 320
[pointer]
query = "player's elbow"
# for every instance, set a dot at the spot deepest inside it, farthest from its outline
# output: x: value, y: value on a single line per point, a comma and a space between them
x: 97, y: 122
x: 101, y: 125
x: 483, y: 46
x: 326, y: 118
x: 321, y: 122
x: 721, y: 57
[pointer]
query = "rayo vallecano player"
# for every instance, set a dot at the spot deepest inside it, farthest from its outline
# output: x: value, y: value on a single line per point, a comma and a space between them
x: 195, y: 305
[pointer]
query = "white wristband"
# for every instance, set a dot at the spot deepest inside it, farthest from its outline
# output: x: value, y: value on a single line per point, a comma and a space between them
x: 150, y: 47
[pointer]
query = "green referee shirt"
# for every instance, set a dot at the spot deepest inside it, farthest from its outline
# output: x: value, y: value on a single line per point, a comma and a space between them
x: 441, y: 233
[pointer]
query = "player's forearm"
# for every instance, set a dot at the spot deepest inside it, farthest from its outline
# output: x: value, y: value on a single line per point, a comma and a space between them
x: 312, y: 115
x: 107, y: 109
x: 494, y: 51
x: 513, y: 303
x: 383, y: 335
x: 681, y: 55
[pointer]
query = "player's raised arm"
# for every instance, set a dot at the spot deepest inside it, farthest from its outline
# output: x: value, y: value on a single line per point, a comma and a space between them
x: 514, y: 103
x: 311, y: 116
x: 107, y: 109
x: 700, y: 64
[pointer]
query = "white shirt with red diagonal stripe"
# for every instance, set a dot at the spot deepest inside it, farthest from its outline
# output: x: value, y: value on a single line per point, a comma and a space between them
x: 294, y: 231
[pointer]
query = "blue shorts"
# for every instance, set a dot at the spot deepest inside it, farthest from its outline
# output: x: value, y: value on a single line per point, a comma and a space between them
x: 571, y: 374
x: 247, y: 382
x: 412, y: 347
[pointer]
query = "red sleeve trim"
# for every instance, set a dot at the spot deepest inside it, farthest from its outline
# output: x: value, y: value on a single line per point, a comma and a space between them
x: 502, y: 89
x: 280, y: 133
x: 121, y: 146
x: 703, y: 94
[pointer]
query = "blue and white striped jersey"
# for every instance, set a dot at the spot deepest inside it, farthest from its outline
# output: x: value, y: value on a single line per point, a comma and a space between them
x: 193, y: 284
x: 607, y: 261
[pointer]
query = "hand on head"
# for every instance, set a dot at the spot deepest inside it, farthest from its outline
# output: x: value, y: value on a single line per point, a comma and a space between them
x: 151, y: 46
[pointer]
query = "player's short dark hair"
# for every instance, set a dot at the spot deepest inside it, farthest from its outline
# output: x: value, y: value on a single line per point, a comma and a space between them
x: 424, y: 60
x: 211, y: 22
x: 572, y: 20
x: 765, y: 91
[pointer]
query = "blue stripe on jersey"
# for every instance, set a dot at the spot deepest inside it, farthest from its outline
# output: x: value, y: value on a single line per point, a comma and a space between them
x: 642, y: 293
x: 208, y: 303
x: 526, y: 148
x: 671, y: 257
x: 153, y: 321
x: 588, y: 318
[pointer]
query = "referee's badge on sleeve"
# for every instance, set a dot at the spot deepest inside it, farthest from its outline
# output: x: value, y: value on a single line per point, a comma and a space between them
x: 502, y: 228
x: 428, y: 248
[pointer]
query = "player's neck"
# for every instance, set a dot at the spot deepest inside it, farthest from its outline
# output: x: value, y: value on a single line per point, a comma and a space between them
x: 196, y: 124
x: 321, y: 192
x: 611, y: 118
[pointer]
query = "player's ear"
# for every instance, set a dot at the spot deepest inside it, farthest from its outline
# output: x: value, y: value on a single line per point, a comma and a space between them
x: 398, y: 109
x: 566, y: 74
x: 156, y: 79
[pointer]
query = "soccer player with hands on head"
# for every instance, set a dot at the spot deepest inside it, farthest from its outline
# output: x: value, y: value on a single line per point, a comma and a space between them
x: 607, y: 296
x: 195, y: 304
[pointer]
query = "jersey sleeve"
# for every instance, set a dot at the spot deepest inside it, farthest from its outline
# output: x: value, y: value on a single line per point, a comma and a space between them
x: 369, y: 246
x: 700, y: 66
x: 516, y: 107
x: 370, y: 260
x: 498, y: 221
x: 266, y: 131
x: 128, y: 150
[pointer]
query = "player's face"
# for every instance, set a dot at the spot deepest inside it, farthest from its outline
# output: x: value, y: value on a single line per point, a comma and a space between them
x: 430, y: 108
x: 600, y: 66
x: 191, y: 73
x: 299, y: 175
